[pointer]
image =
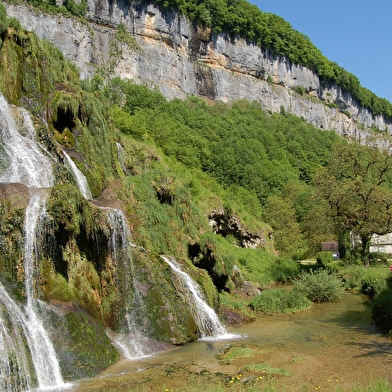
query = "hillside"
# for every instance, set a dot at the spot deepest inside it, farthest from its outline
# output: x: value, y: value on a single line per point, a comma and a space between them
x: 166, y: 165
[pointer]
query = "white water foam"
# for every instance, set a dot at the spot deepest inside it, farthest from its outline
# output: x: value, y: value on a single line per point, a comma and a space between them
x: 211, y: 328
x: 130, y: 341
x: 28, y: 165
x: 79, y: 178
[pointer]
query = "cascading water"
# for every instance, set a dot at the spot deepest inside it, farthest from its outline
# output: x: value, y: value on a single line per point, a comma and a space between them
x: 15, y: 360
x: 129, y: 340
x: 79, y: 177
x: 205, y: 317
x: 120, y: 156
x: 28, y: 165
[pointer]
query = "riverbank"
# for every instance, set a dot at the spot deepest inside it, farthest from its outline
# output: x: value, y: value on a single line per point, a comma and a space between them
x: 330, y: 347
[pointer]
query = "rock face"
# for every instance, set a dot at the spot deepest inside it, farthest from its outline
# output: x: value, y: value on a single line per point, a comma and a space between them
x: 182, y: 59
x: 227, y: 224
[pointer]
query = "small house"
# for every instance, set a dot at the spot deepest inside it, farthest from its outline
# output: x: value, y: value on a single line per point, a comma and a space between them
x: 332, y: 247
x: 381, y: 243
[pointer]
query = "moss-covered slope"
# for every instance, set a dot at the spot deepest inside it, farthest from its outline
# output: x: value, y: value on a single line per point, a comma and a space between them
x: 166, y: 206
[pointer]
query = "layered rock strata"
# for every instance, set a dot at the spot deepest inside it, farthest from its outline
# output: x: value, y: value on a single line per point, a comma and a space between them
x: 182, y: 59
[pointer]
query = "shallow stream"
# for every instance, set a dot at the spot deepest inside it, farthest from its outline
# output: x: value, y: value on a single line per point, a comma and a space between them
x: 331, y: 346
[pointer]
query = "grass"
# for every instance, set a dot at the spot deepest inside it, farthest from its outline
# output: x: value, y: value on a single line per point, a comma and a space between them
x: 232, y: 353
x: 236, y: 302
x: 278, y: 300
x: 266, y: 369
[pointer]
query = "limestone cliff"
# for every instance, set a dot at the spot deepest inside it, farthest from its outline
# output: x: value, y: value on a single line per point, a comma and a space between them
x: 182, y: 59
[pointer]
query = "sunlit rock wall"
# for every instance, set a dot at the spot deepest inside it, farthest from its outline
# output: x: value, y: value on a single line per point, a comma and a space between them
x: 182, y: 59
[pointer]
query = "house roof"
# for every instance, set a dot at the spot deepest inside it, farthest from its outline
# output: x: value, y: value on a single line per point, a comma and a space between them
x: 329, y: 246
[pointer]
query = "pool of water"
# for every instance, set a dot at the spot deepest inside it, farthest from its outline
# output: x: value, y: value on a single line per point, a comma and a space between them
x: 332, y: 345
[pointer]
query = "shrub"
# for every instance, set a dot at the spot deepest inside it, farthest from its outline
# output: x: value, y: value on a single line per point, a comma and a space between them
x: 369, y: 281
x: 279, y: 301
x: 284, y: 269
x: 352, y: 277
x: 324, y: 258
x: 372, y: 285
x: 299, y: 90
x: 382, y: 310
x: 378, y: 258
x: 320, y: 286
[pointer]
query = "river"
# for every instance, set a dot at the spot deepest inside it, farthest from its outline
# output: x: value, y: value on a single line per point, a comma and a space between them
x: 331, y: 346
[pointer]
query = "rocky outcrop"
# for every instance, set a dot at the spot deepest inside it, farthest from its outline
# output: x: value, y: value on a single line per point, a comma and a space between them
x: 226, y: 224
x: 182, y: 59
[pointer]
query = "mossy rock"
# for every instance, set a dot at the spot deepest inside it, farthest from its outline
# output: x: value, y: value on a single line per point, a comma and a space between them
x: 166, y: 315
x: 13, y: 201
x: 82, y: 346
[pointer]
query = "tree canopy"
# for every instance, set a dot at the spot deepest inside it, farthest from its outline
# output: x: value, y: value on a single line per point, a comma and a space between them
x: 357, y: 185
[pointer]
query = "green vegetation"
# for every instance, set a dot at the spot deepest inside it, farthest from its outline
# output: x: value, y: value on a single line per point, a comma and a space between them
x: 271, y: 32
x: 235, y: 352
x: 11, y: 238
x: 357, y: 182
x: 382, y: 308
x: 319, y: 286
x: 89, y: 346
x: 227, y: 188
x: 266, y: 369
x: 68, y: 7
x: 217, y: 385
x: 369, y: 281
x: 255, y: 156
x: 280, y: 301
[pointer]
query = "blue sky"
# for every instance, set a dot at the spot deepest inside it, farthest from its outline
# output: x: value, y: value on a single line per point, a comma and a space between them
x: 356, y: 34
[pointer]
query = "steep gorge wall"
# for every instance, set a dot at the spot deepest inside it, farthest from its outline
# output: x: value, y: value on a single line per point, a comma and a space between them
x: 182, y: 59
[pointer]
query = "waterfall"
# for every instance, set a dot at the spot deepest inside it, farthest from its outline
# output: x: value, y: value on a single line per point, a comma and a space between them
x: 15, y: 363
x: 81, y: 180
x: 205, y: 317
x: 120, y: 157
x: 44, y: 356
x: 27, y: 164
x: 129, y: 340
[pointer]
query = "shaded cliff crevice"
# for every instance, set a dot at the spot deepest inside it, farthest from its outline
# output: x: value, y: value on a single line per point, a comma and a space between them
x: 205, y: 81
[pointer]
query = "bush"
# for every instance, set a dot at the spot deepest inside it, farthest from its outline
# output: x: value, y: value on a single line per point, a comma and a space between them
x: 324, y: 258
x: 320, y: 286
x: 378, y: 258
x: 280, y: 301
x: 284, y: 269
x: 369, y: 281
x: 382, y: 311
x: 372, y: 285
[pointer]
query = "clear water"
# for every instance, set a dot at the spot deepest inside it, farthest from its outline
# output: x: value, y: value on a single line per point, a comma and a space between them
x: 331, y: 346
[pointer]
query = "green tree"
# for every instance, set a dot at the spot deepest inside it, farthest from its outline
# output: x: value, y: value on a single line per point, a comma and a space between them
x: 357, y: 185
x: 280, y: 214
